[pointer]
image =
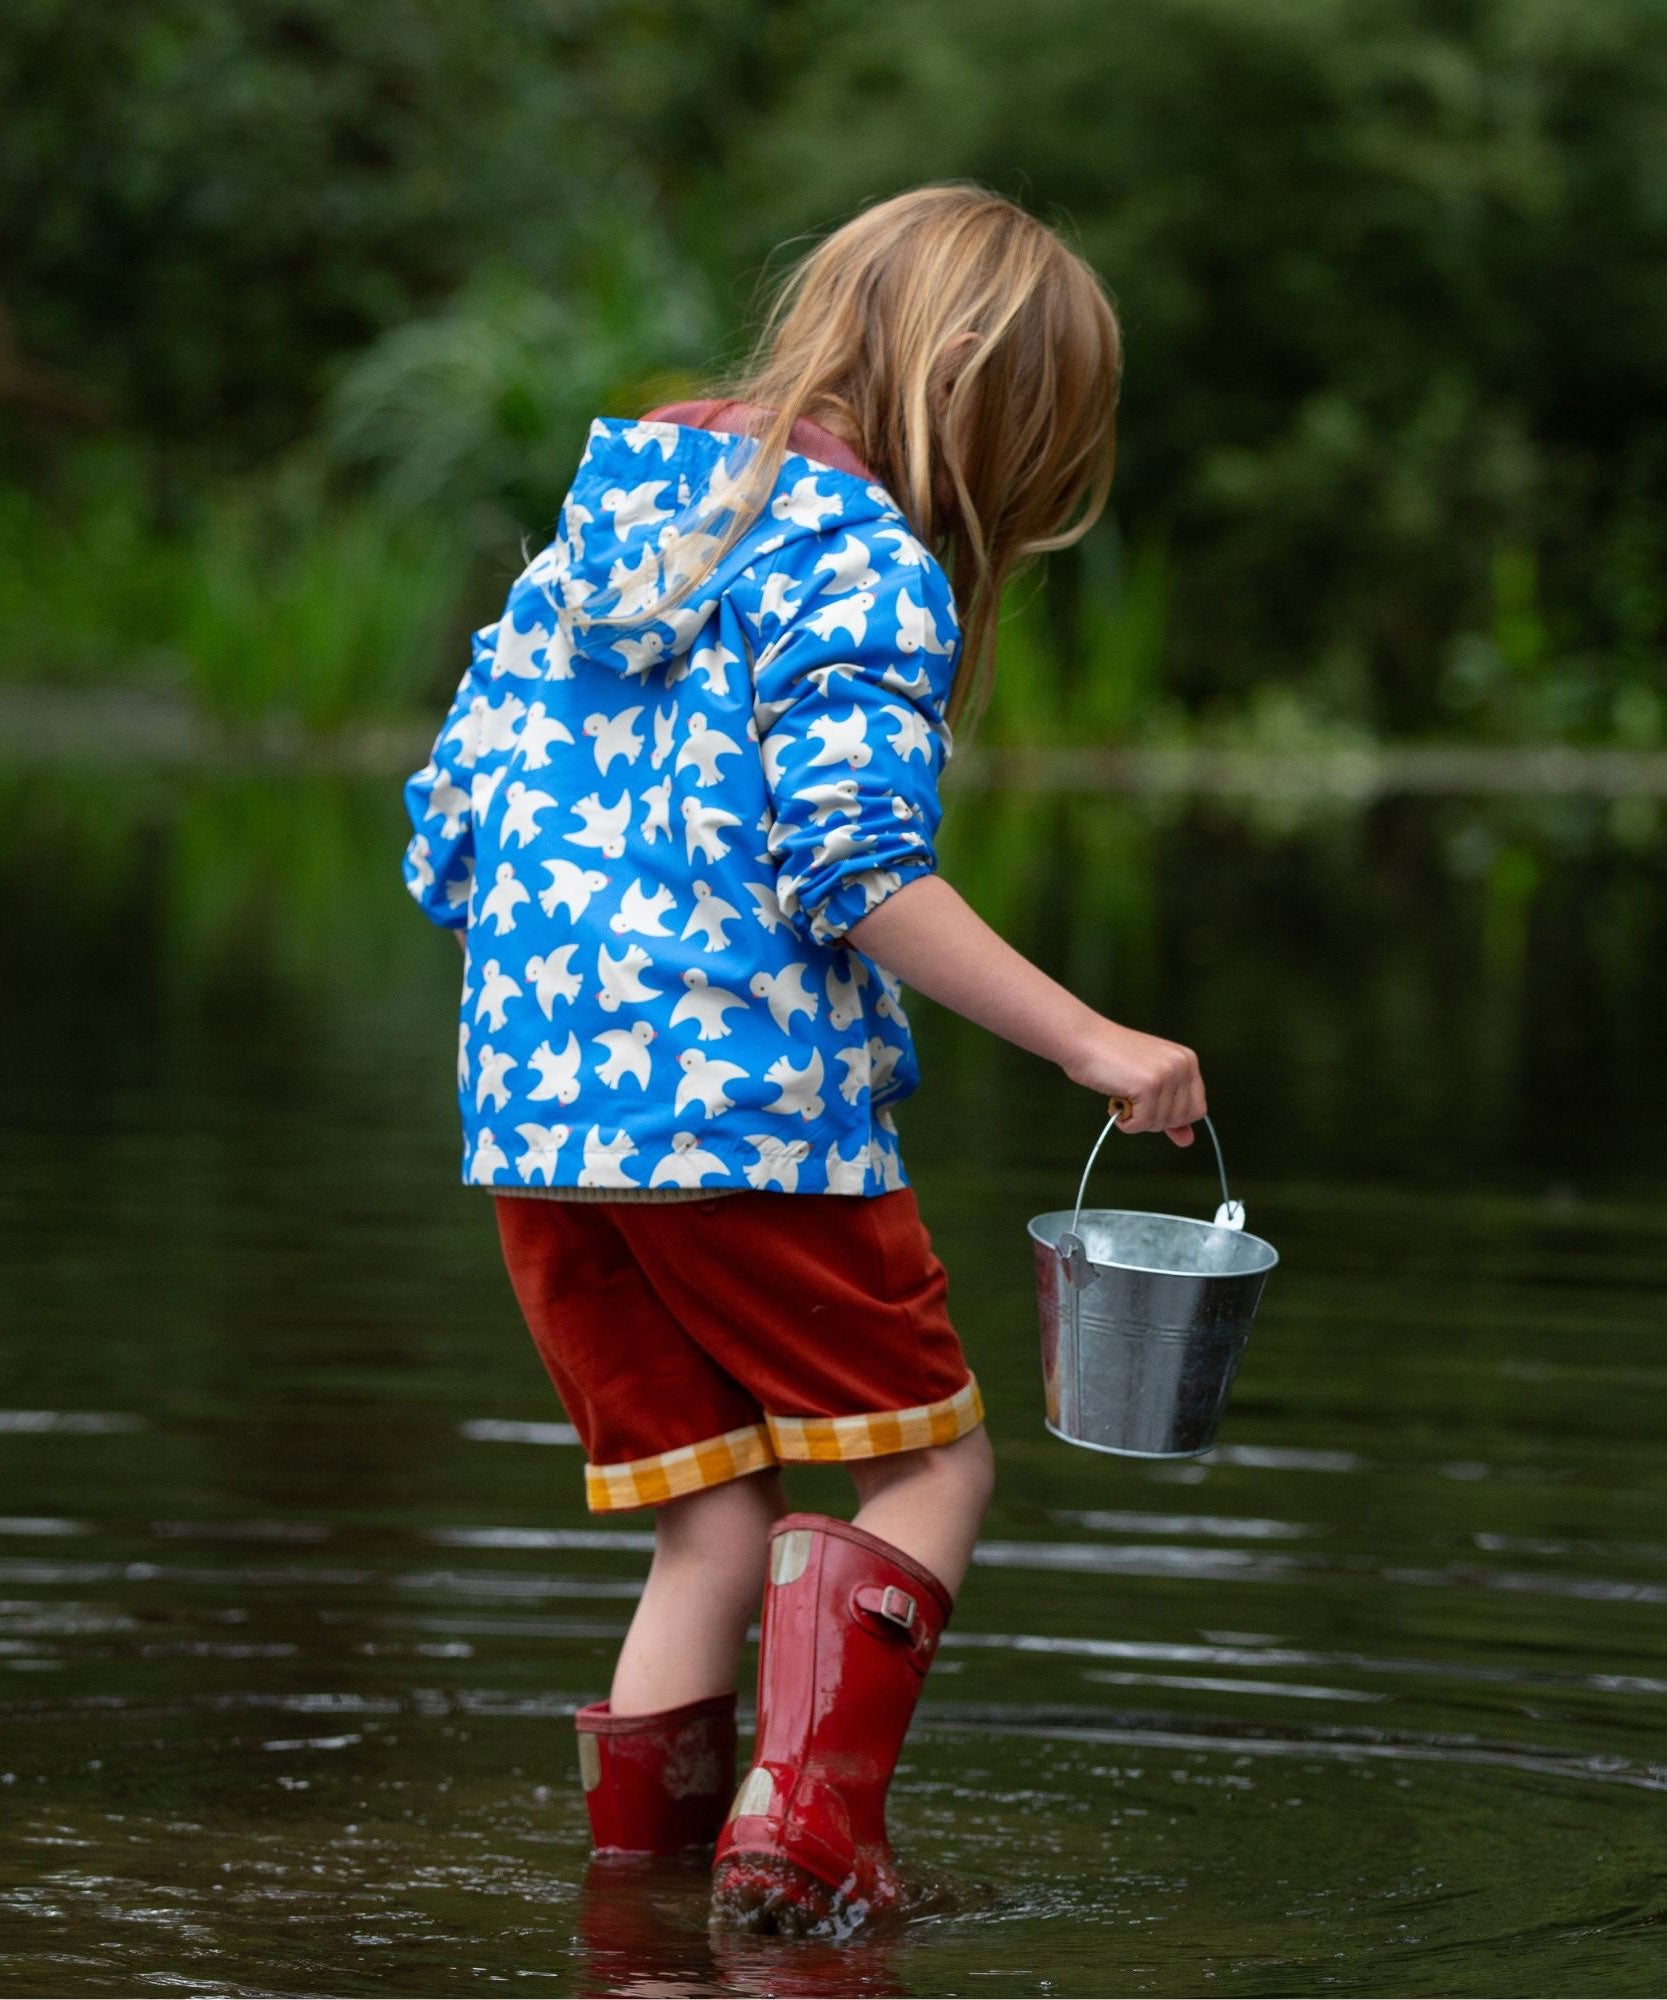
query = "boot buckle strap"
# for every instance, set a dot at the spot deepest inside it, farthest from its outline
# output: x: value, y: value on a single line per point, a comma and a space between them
x: 893, y: 1607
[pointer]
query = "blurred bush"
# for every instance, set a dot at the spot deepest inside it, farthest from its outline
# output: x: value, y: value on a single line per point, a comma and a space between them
x: 1395, y: 421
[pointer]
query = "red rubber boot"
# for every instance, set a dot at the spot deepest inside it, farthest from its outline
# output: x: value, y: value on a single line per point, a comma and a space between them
x: 851, y: 1625
x: 657, y: 1783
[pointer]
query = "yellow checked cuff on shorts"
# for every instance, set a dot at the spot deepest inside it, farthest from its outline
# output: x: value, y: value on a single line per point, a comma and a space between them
x: 827, y: 1440
x: 666, y: 1475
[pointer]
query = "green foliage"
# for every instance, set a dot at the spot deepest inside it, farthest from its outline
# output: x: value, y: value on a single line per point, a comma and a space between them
x: 261, y: 598
x: 486, y: 405
x: 1395, y: 419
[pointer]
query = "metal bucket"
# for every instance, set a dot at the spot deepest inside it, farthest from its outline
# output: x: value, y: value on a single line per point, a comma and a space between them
x: 1144, y: 1319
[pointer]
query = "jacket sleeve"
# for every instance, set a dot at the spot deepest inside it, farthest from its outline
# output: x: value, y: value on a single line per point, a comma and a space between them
x: 850, y: 695
x: 440, y: 856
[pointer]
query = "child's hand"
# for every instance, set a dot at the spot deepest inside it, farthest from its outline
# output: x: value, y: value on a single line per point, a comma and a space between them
x: 1159, y: 1080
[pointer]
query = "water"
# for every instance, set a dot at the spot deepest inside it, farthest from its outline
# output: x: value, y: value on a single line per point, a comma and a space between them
x: 296, y: 1585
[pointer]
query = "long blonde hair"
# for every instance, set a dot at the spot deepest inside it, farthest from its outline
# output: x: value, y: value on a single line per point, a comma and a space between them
x: 997, y: 448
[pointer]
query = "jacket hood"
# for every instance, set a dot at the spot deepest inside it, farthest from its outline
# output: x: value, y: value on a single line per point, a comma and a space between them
x: 648, y: 504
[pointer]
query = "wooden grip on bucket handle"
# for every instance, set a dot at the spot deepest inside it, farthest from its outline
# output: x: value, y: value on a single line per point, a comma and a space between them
x: 1119, y: 1108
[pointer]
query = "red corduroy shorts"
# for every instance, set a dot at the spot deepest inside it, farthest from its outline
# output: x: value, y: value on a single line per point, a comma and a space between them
x: 696, y: 1342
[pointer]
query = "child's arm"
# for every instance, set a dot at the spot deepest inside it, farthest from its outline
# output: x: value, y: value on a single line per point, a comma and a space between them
x: 933, y: 940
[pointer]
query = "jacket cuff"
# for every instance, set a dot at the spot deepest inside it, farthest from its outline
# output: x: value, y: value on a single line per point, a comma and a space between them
x: 858, y: 895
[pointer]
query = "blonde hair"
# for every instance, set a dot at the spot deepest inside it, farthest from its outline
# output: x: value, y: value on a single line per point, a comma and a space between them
x: 971, y: 359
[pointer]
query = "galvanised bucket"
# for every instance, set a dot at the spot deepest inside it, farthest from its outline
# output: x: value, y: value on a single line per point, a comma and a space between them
x: 1144, y: 1319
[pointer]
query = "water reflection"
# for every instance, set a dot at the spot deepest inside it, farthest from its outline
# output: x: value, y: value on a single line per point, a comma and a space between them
x: 297, y: 1592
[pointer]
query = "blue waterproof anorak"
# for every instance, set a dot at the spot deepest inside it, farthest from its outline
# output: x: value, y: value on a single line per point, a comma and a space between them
x: 658, y: 831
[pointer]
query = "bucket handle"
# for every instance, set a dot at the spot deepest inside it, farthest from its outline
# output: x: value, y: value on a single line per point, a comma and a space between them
x: 1230, y: 1215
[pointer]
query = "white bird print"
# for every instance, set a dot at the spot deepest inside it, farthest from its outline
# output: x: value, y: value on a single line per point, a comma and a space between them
x: 777, y: 1163
x: 703, y: 829
x: 575, y: 518
x: 766, y: 714
x: 421, y: 867
x: 826, y: 800
x: 910, y: 737
x: 620, y: 980
x: 502, y: 899
x: 635, y: 585
x: 724, y: 491
x: 916, y: 632
x: 558, y: 1073
x: 704, y: 1004
x: 605, y: 1160
x: 642, y: 434
x: 682, y: 553
x: 708, y: 917
x: 496, y: 986
x: 889, y: 1006
x: 686, y: 1164
x: 543, y: 1143
x: 822, y: 678
x: 449, y: 803
x: 858, y: 1064
x: 489, y: 1159
x: 514, y: 652
x: 883, y: 1060
x: 773, y: 750
x: 636, y: 506
x: 664, y: 721
x: 558, y: 655
x: 805, y: 507
x: 615, y: 736
x: 847, y: 1176
x: 539, y: 730
x: 461, y: 885
x: 465, y: 733
x: 842, y: 742
x: 786, y: 993
x: 849, y: 566
x: 553, y: 976
x: 801, y: 1089
x: 876, y: 885
x: 916, y: 688
x: 686, y: 620
x: 495, y: 1066
x: 483, y: 789
x: 703, y: 748
x: 844, y: 998
x: 463, y: 1055
x: 885, y: 1162
x: 496, y: 723
x: 843, y: 614
x: 775, y: 601
x: 639, y: 913
x: 714, y: 663
x: 627, y: 1054
x: 524, y: 804
x: 841, y: 844
x: 656, y: 811
x: 571, y: 887
x: 907, y: 550
x: 704, y: 1083
x: 642, y: 652
x: 604, y: 826
x: 768, y: 912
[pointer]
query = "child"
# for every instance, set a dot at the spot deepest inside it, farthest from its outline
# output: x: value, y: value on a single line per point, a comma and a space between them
x: 682, y: 816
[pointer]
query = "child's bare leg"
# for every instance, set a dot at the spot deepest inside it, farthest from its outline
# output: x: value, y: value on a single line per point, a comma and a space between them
x: 929, y: 1503
x: 702, y: 1593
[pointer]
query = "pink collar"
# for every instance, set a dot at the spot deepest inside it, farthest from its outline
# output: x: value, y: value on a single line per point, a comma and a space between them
x: 809, y: 439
